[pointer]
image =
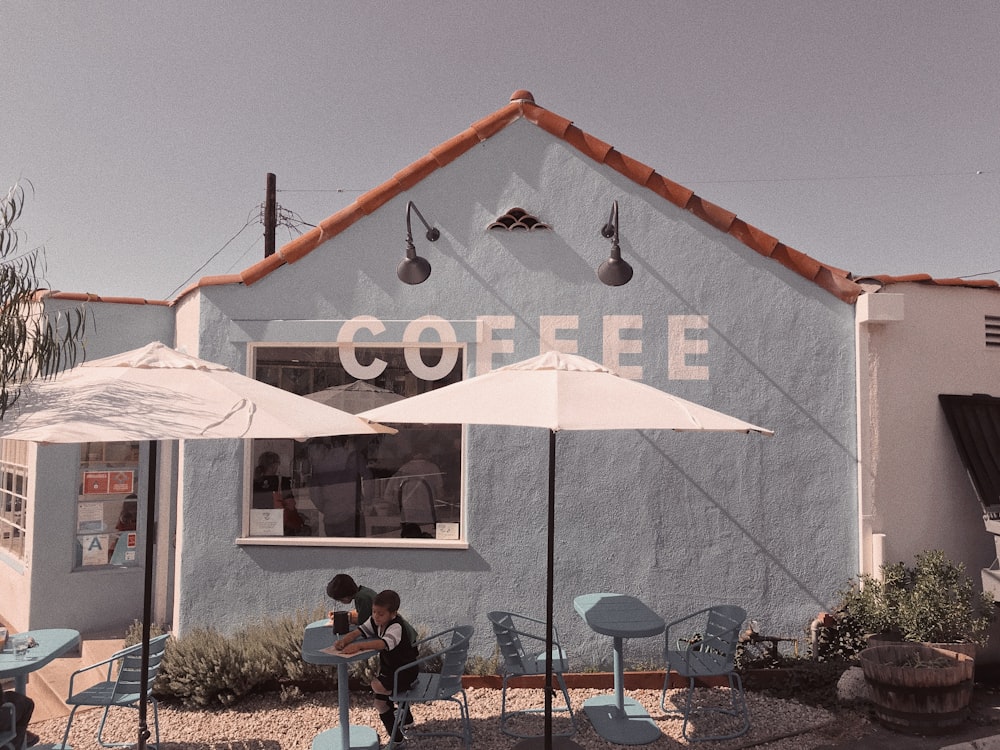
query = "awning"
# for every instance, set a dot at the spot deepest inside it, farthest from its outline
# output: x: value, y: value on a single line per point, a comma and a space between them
x: 975, y: 425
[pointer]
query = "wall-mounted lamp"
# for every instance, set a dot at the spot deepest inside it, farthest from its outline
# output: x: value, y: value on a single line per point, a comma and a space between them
x: 614, y: 271
x: 413, y: 269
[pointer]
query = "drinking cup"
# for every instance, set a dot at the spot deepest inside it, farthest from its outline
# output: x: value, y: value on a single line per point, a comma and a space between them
x: 20, y: 647
x: 341, y: 623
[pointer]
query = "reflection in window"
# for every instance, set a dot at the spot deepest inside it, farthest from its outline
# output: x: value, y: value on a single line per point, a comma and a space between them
x: 107, y: 507
x: 13, y: 496
x: 389, y: 486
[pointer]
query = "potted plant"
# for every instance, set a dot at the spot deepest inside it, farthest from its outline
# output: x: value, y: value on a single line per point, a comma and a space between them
x: 923, y: 682
x: 933, y: 602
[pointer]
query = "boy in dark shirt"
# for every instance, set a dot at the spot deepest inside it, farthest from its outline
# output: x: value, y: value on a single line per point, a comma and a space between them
x: 343, y: 589
x: 394, y: 637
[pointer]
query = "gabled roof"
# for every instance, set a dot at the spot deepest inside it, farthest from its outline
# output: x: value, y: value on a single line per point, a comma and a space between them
x: 522, y: 105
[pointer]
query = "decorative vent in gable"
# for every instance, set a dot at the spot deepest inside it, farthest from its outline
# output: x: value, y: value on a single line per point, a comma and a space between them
x: 993, y: 331
x: 518, y: 218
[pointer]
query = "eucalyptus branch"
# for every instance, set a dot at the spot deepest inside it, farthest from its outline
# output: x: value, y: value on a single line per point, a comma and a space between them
x: 34, y: 342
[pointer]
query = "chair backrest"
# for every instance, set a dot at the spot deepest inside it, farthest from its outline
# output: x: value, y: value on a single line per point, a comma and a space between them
x: 722, y: 630
x: 453, y: 659
x: 508, y: 641
x: 129, y: 680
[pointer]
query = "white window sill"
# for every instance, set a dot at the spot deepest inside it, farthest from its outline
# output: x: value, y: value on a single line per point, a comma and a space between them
x: 374, y: 542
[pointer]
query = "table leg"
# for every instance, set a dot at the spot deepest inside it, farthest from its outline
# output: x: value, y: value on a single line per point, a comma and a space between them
x: 621, y: 720
x: 345, y: 737
x: 619, y: 665
x: 344, y: 705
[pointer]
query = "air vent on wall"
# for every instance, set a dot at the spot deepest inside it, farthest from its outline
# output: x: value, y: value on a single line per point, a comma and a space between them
x: 518, y: 219
x: 993, y: 331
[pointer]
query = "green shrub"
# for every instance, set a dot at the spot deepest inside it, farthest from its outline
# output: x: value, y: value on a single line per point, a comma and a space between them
x: 205, y: 668
x: 934, y: 601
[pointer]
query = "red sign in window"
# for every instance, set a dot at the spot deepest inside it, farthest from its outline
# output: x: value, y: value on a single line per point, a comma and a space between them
x: 121, y: 481
x: 96, y: 482
x: 108, y: 482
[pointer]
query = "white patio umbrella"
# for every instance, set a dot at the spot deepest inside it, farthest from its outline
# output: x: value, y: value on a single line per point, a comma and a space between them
x: 354, y: 397
x: 557, y: 391
x: 157, y: 393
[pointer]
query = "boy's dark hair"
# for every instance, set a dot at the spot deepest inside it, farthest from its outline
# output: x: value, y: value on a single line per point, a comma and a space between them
x: 388, y: 599
x: 341, y: 586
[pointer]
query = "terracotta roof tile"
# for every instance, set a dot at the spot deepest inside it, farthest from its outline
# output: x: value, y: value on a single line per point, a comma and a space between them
x: 634, y: 170
x: 593, y: 147
x: 927, y: 279
x: 754, y: 238
x: 493, y: 124
x: 260, y: 269
x: 550, y: 122
x: 676, y: 194
x: 369, y: 202
x: 522, y: 104
x: 414, y: 173
x: 43, y: 294
x: 451, y: 149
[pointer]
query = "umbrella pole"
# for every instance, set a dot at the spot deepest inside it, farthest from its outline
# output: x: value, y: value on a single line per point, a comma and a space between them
x: 546, y: 741
x: 147, y: 594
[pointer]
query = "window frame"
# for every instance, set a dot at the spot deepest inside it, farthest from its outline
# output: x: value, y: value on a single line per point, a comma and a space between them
x: 378, y: 542
x: 15, y: 478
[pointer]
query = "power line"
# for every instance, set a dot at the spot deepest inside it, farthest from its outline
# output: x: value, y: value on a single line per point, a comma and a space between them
x: 984, y: 273
x: 901, y: 175
x: 323, y: 190
x: 212, y: 257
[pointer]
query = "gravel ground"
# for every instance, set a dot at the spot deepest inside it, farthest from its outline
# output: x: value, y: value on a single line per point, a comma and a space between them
x: 266, y: 723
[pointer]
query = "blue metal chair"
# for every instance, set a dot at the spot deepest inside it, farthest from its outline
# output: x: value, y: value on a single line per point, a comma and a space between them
x: 9, y: 721
x: 121, y: 687
x: 510, y: 629
x: 445, y: 685
x: 705, y: 646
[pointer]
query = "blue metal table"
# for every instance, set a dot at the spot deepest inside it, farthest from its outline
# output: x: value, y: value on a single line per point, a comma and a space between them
x: 618, y: 719
x: 317, y: 648
x: 52, y: 643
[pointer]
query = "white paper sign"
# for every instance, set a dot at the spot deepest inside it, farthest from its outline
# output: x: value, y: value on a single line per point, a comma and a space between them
x: 446, y: 531
x: 95, y: 549
x: 267, y: 522
x: 90, y: 517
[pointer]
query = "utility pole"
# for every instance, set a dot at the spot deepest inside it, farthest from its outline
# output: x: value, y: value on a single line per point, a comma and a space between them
x: 270, y: 214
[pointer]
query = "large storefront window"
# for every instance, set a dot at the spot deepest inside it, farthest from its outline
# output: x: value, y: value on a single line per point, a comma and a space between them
x: 387, y: 486
x: 13, y: 496
x: 107, y: 507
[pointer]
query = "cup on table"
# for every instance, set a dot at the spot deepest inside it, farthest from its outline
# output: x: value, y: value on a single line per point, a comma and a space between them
x: 3, y: 638
x: 341, y: 623
x: 20, y: 647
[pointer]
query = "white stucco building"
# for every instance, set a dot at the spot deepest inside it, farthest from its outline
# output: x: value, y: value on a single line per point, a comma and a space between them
x: 717, y: 312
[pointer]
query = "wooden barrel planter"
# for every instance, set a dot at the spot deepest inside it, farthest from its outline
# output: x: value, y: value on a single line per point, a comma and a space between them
x: 918, y: 689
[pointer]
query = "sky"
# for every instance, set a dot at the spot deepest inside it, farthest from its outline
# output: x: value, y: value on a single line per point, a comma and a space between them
x: 864, y: 134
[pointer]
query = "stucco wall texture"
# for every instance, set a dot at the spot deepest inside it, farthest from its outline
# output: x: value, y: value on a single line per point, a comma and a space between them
x: 680, y: 520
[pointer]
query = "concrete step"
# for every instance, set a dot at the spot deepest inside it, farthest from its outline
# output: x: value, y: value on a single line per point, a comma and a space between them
x: 49, y: 686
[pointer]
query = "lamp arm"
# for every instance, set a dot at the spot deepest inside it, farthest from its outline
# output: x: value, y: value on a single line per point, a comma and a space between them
x: 432, y: 232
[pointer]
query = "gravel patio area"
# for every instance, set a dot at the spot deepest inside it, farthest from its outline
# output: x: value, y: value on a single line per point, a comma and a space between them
x: 266, y: 723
